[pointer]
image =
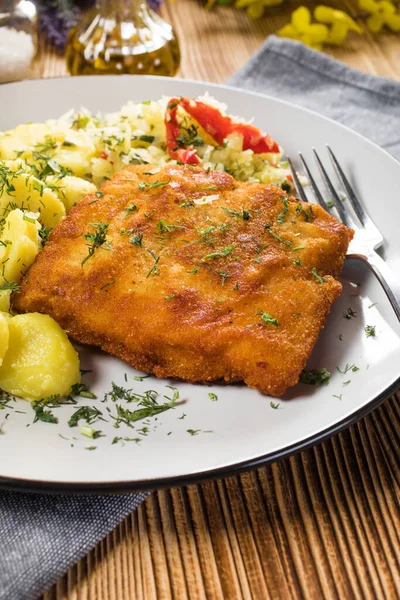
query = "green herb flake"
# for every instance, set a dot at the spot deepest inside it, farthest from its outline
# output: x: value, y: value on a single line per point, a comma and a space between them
x: 317, y: 276
x: 219, y: 254
x: 140, y: 377
x: 370, y: 331
x: 348, y: 368
x: 213, y: 397
x: 96, y: 239
x: 193, y: 431
x: 349, y: 313
x: 287, y: 243
x: 89, y: 432
x: 169, y: 297
x: 315, y: 376
x: 9, y: 285
x: 267, y: 319
x: 339, y: 397
x: 130, y: 209
x: 90, y: 414
x: 164, y: 227
x: 272, y: 405
x: 281, y: 216
x: 41, y: 414
x: 81, y: 389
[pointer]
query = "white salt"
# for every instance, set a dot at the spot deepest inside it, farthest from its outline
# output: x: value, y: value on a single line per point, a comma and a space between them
x: 16, y: 54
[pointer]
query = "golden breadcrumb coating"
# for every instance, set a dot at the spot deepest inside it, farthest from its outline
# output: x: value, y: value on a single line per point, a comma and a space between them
x: 193, y: 275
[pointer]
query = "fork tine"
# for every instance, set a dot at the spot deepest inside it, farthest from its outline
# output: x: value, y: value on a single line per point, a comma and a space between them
x: 335, y: 198
x: 359, y: 210
x: 314, y: 186
x: 299, y: 188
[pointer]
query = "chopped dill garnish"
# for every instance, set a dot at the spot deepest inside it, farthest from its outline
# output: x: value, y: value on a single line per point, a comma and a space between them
x: 339, y: 397
x: 130, y: 209
x: 317, y: 276
x: 219, y: 254
x: 315, y: 376
x: 213, y: 397
x: 164, y: 227
x: 193, y: 431
x: 9, y: 285
x: 349, y: 313
x: 44, y: 233
x: 231, y: 213
x: 136, y: 240
x: 41, y: 414
x: 81, y: 389
x: 96, y: 239
x: 140, y: 377
x: 348, y: 368
x: 169, y: 297
x: 156, y: 184
x: 154, y: 269
x: 90, y: 414
x: 187, y: 203
x: 281, y: 216
x: 267, y: 319
x: 370, y: 331
x: 308, y: 213
x: 272, y: 405
x: 276, y: 236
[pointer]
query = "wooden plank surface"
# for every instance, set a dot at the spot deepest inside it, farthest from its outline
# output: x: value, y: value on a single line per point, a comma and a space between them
x: 321, y: 524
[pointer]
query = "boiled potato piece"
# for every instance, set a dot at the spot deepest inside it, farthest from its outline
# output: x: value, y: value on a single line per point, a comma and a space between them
x: 77, y: 154
x: 4, y: 335
x: 19, y: 245
x: 29, y: 193
x: 23, y: 137
x: 5, y: 300
x: 40, y: 360
x: 71, y: 189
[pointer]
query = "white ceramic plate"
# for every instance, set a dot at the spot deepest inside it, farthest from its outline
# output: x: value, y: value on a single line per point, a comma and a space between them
x: 247, y: 431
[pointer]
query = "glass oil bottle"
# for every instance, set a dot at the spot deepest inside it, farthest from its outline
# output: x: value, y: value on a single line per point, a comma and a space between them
x: 122, y: 36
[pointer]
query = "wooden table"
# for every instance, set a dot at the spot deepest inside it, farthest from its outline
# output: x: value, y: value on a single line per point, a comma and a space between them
x: 321, y: 524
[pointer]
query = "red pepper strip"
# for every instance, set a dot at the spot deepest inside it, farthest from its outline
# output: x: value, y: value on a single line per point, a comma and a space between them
x: 183, y: 155
x: 220, y: 126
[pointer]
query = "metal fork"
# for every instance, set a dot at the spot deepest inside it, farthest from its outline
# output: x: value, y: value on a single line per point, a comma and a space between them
x: 367, y: 237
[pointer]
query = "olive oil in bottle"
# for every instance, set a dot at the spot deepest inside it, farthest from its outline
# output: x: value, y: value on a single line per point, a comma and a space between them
x: 122, y: 36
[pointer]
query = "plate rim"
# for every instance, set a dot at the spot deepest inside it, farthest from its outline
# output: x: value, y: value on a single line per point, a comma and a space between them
x: 129, y: 486
x: 147, y: 485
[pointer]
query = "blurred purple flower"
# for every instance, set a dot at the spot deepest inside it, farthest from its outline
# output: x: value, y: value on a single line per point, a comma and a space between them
x: 56, y: 17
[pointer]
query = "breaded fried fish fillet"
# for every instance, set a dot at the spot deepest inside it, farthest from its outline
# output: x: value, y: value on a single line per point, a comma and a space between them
x: 194, y: 275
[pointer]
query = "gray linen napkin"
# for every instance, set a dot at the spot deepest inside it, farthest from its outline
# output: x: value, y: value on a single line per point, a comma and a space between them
x: 291, y: 71
x: 42, y: 536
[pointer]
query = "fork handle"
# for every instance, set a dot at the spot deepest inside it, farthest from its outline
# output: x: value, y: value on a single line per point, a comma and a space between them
x: 385, y: 276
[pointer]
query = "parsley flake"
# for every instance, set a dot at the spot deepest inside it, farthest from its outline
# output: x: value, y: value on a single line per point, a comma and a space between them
x: 349, y: 313
x: 370, y: 331
x: 267, y: 319
x: 315, y: 376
